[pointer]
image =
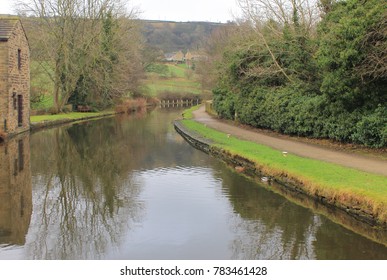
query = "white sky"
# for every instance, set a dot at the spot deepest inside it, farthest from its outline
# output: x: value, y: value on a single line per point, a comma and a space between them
x: 5, y: 7
x: 174, y: 10
x: 187, y: 10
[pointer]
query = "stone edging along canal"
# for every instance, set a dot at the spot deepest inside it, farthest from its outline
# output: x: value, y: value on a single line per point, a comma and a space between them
x: 288, y: 184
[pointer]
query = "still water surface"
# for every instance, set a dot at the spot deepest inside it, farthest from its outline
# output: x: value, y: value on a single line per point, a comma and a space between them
x: 130, y: 187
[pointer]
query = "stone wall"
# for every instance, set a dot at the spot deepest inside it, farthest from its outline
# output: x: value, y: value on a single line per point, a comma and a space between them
x: 3, y: 84
x: 14, y: 82
x: 192, y: 138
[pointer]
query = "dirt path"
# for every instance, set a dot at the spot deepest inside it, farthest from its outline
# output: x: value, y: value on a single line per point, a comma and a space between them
x: 360, y: 162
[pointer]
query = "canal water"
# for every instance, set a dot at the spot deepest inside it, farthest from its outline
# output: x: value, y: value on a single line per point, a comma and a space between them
x: 130, y: 187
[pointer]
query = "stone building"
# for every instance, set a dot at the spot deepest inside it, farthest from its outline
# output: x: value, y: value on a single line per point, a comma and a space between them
x: 178, y: 57
x: 14, y: 77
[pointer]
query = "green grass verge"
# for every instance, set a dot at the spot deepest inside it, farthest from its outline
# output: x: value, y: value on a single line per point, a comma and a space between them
x: 188, y: 114
x: 176, y: 79
x: 69, y: 116
x: 177, y: 70
x: 176, y: 85
x: 336, y: 183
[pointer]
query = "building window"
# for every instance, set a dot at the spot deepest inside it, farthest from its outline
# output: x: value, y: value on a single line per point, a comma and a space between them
x: 19, y: 59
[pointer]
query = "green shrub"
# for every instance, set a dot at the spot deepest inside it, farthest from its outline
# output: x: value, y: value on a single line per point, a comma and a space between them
x: 371, y: 130
x: 333, y: 92
x: 160, y: 69
x: 224, y: 103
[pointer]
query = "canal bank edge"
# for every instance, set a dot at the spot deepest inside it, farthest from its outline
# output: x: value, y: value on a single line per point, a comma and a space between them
x: 193, y: 138
x: 34, y: 126
x: 252, y: 169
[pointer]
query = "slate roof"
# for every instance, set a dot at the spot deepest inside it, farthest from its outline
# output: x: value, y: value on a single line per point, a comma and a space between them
x: 6, y: 25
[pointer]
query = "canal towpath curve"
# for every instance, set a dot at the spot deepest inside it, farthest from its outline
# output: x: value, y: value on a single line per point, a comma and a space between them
x: 356, y: 161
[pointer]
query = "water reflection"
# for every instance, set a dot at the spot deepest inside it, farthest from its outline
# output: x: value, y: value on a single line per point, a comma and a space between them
x: 83, y: 182
x: 130, y: 187
x: 268, y: 226
x: 83, y: 189
x: 15, y: 190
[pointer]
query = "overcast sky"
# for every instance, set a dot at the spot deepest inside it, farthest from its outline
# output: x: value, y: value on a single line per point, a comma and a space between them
x: 175, y: 10
x: 187, y: 10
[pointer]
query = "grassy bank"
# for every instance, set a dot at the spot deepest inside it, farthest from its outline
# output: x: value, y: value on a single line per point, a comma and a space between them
x: 69, y: 116
x: 338, y: 185
x: 43, y: 121
x: 171, y: 79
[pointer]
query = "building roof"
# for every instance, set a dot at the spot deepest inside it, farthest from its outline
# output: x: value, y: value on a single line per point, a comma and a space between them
x: 179, y: 56
x: 7, y: 23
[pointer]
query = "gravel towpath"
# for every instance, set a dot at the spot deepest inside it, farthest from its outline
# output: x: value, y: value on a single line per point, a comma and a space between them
x: 292, y: 146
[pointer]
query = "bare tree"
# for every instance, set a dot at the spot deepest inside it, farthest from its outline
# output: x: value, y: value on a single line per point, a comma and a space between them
x: 282, y: 11
x: 213, y: 49
x: 269, y: 19
x: 374, y: 65
x: 70, y: 35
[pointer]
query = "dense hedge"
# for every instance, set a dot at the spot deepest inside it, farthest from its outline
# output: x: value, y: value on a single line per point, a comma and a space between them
x: 295, y: 113
x: 336, y: 95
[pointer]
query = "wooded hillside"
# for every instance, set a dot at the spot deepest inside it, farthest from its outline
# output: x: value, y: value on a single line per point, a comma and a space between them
x: 171, y: 36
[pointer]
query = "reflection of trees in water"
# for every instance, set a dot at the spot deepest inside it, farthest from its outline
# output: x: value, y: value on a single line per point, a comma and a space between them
x: 84, y: 191
x: 75, y: 221
x: 15, y: 190
x: 331, y: 245
x: 258, y: 240
x: 271, y: 227
x: 85, y: 195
